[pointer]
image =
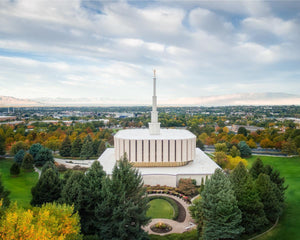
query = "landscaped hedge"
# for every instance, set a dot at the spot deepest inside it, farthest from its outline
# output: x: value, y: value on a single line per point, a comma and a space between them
x: 191, y: 235
x: 169, y: 200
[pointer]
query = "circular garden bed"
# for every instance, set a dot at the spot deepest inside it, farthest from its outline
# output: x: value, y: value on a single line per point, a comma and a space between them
x: 161, y: 227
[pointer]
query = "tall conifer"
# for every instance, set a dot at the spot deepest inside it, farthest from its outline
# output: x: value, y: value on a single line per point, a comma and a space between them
x: 221, y: 215
x: 87, y: 148
x: 76, y: 147
x: 253, y: 216
x: 65, y: 148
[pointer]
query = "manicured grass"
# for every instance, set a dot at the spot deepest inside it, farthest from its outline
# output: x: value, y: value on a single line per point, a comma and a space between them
x: 20, y: 186
x: 160, y: 208
x: 288, y: 226
x: 191, y: 235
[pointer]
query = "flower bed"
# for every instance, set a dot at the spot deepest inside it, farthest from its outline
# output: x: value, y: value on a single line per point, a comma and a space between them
x: 161, y: 227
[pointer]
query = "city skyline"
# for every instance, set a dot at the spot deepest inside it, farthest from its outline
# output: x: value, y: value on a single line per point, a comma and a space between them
x: 205, y: 53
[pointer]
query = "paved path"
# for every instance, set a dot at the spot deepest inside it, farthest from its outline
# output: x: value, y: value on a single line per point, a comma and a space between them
x: 38, y: 171
x: 177, y: 227
x: 68, y: 164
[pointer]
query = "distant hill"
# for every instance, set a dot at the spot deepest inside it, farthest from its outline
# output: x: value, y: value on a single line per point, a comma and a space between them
x: 6, y: 101
x: 217, y: 100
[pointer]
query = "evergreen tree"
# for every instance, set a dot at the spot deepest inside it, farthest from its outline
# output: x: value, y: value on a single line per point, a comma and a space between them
x: 4, y: 195
x: 200, y: 144
x: 245, y: 150
x: 221, y: 215
x: 87, y: 148
x: 242, y: 130
x: 43, y: 156
x: 27, y: 163
x: 18, y: 158
x: 96, y: 144
x: 48, y: 187
x: 15, y: 169
x: 2, y: 146
x: 34, y: 150
x: 267, y: 192
x: 65, y: 148
x: 253, y: 216
x: 92, y: 197
x: 123, y: 210
x: 76, y: 147
x: 257, y: 168
x: 196, y: 211
x: 101, y: 148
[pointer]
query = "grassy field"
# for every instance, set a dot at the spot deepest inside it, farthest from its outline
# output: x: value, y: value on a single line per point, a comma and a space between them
x: 160, y: 208
x: 288, y: 226
x: 19, y: 187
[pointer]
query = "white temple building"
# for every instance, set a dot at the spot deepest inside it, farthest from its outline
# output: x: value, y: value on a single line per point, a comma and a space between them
x: 163, y: 156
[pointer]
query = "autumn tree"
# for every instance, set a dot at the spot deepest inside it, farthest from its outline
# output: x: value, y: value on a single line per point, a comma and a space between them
x: 51, y: 221
x: 18, y: 146
x: 221, y: 147
x: 187, y: 186
x: 65, y: 148
x: 235, y: 152
x: 221, y: 215
x: 87, y: 148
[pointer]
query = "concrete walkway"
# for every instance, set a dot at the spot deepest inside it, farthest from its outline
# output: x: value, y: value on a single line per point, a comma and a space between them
x: 177, y: 227
x: 70, y: 163
x: 38, y: 171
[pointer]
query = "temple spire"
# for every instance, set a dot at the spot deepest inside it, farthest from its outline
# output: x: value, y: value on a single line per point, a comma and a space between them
x: 154, y: 126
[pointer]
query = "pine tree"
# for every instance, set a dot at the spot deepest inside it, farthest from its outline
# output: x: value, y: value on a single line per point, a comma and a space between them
x: 18, y: 158
x: 123, y: 210
x: 257, y: 168
x: 96, y: 144
x: 87, y: 148
x: 15, y: 169
x: 92, y: 193
x: 76, y: 147
x: 65, y: 148
x: 245, y: 150
x: 267, y: 192
x: 4, y: 195
x: 73, y: 191
x: 221, y: 215
x: 101, y: 148
x: 44, y: 156
x: 2, y: 146
x: 253, y: 216
x: 34, y: 150
x: 48, y: 187
x: 27, y: 163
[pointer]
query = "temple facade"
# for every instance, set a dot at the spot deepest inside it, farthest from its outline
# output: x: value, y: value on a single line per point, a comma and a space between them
x: 163, y: 156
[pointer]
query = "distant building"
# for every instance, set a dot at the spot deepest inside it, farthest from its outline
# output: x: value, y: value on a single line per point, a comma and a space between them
x: 235, y: 128
x: 163, y: 156
x: 7, y: 118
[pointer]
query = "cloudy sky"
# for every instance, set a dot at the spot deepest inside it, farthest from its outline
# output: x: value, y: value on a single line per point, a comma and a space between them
x: 107, y: 50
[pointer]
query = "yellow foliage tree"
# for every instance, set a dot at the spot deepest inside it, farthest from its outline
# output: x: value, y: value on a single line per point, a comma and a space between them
x: 50, y: 222
x: 232, y: 162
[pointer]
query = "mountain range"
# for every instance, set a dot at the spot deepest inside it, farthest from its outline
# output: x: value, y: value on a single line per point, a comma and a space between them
x: 218, y: 100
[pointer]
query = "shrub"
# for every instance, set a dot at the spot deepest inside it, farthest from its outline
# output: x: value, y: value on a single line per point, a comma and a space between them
x: 15, y: 169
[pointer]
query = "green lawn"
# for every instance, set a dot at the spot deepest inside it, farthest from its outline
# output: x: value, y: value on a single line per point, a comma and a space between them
x: 160, y: 208
x: 19, y: 187
x: 288, y: 226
